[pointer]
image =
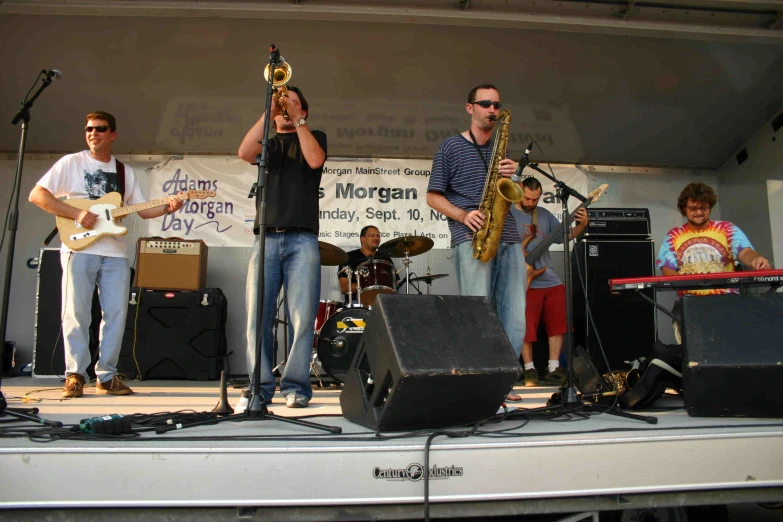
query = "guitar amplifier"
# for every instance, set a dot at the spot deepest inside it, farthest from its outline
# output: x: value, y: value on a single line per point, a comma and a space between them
x: 618, y: 222
x: 171, y: 264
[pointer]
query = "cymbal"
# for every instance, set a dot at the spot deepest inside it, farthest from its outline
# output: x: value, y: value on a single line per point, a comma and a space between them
x: 429, y: 278
x: 413, y: 245
x: 331, y: 255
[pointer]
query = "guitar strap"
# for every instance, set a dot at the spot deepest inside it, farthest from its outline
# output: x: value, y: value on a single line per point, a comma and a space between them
x: 121, y: 178
x: 535, y: 220
x: 120, y: 186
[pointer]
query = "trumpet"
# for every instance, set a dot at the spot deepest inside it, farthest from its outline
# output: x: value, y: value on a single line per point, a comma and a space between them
x: 280, y: 76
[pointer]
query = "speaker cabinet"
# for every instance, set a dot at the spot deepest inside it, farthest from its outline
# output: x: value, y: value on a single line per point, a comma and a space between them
x: 732, y: 365
x: 428, y: 362
x: 174, y: 335
x: 624, y: 321
x: 49, y: 350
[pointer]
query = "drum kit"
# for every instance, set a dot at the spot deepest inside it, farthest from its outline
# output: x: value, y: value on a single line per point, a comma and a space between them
x: 339, y: 327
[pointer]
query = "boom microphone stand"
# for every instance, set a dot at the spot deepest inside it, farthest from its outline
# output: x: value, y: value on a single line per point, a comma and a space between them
x: 569, y: 393
x: 13, y: 210
x: 569, y: 397
x: 13, y: 221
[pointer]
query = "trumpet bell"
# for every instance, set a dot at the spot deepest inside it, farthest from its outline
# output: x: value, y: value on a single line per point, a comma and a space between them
x: 281, y: 75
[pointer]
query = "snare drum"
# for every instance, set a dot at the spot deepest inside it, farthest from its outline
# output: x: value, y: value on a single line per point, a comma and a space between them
x: 375, y: 277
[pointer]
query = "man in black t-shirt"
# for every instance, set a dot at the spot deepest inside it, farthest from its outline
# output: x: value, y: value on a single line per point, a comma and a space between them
x: 294, y: 166
x: 370, y: 239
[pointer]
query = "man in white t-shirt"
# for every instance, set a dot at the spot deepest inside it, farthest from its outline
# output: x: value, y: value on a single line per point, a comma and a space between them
x: 91, y: 174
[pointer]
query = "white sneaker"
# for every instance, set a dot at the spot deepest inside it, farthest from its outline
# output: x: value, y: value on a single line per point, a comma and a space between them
x: 293, y: 400
x: 243, y: 400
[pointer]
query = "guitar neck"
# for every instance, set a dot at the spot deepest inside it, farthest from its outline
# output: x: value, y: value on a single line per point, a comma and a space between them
x: 124, y: 211
x: 553, y: 236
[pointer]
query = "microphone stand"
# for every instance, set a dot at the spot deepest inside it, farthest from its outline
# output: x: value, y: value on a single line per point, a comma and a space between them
x: 256, y: 407
x: 13, y: 222
x: 569, y: 395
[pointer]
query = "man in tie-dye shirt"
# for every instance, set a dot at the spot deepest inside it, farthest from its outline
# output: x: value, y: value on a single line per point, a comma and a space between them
x: 704, y: 246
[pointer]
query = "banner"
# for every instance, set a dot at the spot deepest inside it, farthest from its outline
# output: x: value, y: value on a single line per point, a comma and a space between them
x: 390, y: 194
x: 226, y: 219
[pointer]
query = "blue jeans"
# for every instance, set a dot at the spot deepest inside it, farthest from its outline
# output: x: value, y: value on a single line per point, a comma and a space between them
x: 81, y: 272
x: 292, y: 261
x: 503, y: 280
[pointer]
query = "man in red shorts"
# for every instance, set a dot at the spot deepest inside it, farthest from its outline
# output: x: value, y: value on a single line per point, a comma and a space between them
x: 546, y: 296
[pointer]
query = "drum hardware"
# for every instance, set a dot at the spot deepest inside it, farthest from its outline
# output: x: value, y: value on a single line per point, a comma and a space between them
x: 349, y: 272
x: 405, y: 247
x: 326, y: 309
x: 278, y: 322
x: 429, y: 278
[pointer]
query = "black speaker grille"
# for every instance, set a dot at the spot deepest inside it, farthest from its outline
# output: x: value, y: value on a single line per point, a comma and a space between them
x: 418, y: 348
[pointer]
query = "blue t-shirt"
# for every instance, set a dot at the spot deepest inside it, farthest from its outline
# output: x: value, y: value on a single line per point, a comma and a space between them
x: 459, y: 173
x: 547, y: 222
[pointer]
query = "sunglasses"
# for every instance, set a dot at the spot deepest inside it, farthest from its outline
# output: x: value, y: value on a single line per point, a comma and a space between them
x: 99, y: 128
x: 487, y: 104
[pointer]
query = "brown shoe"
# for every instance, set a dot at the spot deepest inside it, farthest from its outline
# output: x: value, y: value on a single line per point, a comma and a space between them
x: 74, y: 386
x: 113, y: 387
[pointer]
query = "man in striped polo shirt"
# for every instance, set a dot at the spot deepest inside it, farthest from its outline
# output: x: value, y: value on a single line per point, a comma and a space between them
x: 459, y: 171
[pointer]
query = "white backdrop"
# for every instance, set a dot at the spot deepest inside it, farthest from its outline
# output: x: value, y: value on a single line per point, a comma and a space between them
x: 387, y: 193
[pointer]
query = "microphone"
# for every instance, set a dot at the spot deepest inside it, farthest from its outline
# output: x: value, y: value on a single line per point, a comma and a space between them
x: 524, y: 162
x: 52, y: 74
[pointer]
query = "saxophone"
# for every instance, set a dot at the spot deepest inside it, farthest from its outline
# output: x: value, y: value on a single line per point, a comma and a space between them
x: 499, y: 194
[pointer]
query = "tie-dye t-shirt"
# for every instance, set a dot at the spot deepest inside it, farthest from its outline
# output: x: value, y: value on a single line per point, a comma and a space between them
x: 707, y: 251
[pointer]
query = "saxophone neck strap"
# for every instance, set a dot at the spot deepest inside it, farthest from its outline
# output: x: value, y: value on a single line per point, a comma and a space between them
x: 475, y: 144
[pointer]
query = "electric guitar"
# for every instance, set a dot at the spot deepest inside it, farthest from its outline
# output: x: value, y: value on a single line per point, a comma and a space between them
x: 531, y: 257
x: 108, y: 209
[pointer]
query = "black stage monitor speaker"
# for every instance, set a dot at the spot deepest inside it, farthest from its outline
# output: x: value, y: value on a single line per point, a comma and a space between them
x: 732, y: 365
x: 428, y: 362
x: 174, y: 335
x: 625, y: 322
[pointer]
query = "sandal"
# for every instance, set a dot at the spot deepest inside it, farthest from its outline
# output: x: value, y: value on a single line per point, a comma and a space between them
x: 513, y: 397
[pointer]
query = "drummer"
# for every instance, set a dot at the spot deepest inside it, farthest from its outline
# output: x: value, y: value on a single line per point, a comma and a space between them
x: 370, y: 239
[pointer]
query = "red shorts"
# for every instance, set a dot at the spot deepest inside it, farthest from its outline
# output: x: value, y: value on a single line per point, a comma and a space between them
x: 549, y: 303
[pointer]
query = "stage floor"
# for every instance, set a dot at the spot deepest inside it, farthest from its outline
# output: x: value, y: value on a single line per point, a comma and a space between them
x: 568, y: 464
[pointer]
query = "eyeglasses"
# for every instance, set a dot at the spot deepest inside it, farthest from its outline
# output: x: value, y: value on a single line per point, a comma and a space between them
x: 705, y: 208
x: 99, y: 128
x: 487, y: 104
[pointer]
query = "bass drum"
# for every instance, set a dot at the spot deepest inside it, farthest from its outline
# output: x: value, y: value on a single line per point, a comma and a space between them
x: 339, y: 338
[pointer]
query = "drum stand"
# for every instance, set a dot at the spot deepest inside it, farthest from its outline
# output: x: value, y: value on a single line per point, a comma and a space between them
x: 278, y: 322
x: 407, y: 261
x: 358, y: 275
x: 314, y: 367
